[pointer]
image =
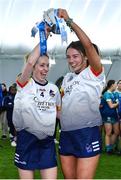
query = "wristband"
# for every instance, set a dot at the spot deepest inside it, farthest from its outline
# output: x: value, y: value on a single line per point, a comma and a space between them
x: 69, y: 21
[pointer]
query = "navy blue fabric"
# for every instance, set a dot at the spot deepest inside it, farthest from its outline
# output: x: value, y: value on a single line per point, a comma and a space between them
x: 1, y: 96
x: 105, y: 110
x: 32, y: 153
x: 81, y: 143
x: 118, y: 95
x: 8, y: 103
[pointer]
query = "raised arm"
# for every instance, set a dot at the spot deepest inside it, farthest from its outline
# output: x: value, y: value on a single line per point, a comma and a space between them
x: 28, y: 68
x: 93, y: 57
x: 31, y: 61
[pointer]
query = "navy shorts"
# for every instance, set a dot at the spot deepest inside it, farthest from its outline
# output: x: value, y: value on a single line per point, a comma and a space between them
x: 110, y: 120
x: 32, y: 153
x: 81, y: 143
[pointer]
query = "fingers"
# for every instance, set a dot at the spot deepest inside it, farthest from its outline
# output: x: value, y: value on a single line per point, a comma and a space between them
x: 47, y: 30
x: 62, y: 13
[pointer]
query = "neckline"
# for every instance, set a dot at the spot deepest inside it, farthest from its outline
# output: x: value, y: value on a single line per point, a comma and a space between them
x: 40, y: 83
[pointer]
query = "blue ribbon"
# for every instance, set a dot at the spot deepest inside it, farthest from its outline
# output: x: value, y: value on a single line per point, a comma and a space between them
x: 60, y: 28
x: 57, y: 28
x: 43, y: 40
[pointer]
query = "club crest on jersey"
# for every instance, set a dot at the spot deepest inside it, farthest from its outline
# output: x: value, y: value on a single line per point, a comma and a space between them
x: 51, y: 93
x: 70, y: 78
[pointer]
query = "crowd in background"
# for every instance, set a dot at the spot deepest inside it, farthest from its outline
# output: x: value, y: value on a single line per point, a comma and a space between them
x: 110, y: 108
x: 6, y: 110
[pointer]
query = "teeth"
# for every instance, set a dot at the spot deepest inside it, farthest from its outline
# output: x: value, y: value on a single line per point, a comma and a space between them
x: 73, y: 65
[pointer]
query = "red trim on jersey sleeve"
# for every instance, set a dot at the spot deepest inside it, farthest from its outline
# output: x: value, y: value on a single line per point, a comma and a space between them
x: 62, y: 92
x: 21, y: 85
x: 95, y: 73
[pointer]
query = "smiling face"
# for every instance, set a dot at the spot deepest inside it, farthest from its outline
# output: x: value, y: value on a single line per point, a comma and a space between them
x: 76, y: 60
x: 41, y: 69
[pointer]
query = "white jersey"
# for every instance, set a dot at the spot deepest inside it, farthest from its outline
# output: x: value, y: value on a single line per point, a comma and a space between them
x: 35, y: 108
x: 80, y: 103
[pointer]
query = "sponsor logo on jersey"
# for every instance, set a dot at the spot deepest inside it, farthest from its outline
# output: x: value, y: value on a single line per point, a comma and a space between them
x: 43, y: 90
x: 70, y: 78
x: 43, y: 105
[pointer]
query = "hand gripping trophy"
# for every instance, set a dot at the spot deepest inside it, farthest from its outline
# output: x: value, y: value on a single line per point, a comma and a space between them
x: 56, y: 25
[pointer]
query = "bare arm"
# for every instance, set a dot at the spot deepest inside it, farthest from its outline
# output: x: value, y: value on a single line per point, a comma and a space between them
x: 93, y: 57
x: 32, y: 59
x: 112, y: 105
x: 28, y: 68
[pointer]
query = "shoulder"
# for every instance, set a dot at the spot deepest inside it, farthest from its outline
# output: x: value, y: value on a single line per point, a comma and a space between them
x: 21, y: 86
x: 29, y: 85
x: 68, y: 77
x: 90, y: 70
x: 52, y: 85
x: 89, y: 75
x: 108, y: 95
x: 116, y: 94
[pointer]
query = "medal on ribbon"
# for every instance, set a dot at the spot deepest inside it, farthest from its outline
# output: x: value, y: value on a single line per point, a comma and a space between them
x: 57, y: 25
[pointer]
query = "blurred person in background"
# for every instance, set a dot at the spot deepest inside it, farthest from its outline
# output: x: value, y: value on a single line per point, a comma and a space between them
x: 118, y: 95
x: 9, y: 105
x: 3, y: 119
x: 108, y: 109
x: 1, y: 97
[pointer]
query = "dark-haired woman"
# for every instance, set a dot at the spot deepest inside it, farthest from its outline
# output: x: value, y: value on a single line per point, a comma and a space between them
x: 80, y: 140
x: 109, y: 104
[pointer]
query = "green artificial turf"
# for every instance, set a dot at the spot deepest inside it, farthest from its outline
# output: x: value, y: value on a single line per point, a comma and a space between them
x: 109, y: 166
